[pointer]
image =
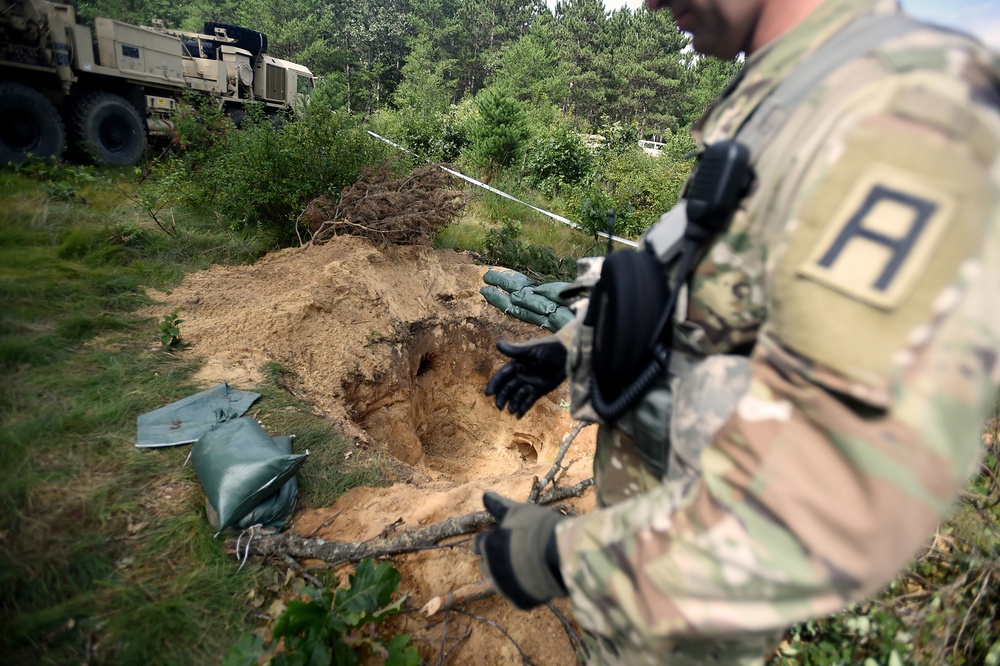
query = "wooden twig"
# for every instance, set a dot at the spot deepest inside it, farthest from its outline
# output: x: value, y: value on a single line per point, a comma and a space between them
x: 444, y: 637
x: 557, y: 463
x: 575, y: 642
x: 557, y: 494
x: 458, y: 640
x: 338, y: 552
x: 465, y: 594
x: 524, y: 657
x: 968, y: 614
x: 390, y: 528
x: 298, y: 568
x: 325, y: 524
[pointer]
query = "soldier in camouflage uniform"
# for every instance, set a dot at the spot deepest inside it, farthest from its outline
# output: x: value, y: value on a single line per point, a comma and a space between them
x: 833, y: 359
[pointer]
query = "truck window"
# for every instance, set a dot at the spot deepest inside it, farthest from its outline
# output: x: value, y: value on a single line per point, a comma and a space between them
x: 304, y: 85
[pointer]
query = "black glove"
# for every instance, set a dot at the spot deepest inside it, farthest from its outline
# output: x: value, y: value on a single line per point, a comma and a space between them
x: 535, y: 369
x: 520, y: 553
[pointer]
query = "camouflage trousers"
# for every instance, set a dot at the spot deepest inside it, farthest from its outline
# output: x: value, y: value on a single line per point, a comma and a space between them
x: 618, y: 475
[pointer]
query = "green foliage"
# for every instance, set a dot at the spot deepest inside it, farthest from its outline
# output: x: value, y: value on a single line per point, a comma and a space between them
x: 334, y: 627
x: 498, y: 132
x: 262, y: 175
x: 170, y: 329
x: 60, y: 182
x: 559, y: 159
x: 504, y: 247
x: 638, y: 187
x: 106, y: 556
x: 594, y: 207
x: 619, y: 137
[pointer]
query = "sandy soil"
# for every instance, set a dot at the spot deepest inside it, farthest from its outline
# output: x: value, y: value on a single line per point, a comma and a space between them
x: 395, y: 346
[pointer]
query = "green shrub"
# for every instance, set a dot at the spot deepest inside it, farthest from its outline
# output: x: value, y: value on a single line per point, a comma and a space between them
x: 559, y: 159
x: 262, y: 175
x: 497, y: 133
x: 434, y: 137
x: 334, y: 626
x: 504, y: 247
x: 637, y: 186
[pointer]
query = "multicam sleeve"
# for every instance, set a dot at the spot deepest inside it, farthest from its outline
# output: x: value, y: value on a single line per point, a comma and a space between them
x: 862, y: 417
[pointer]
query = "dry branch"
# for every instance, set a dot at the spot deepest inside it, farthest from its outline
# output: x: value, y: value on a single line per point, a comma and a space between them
x: 387, y: 208
x: 471, y: 592
x: 556, y: 467
x: 338, y: 552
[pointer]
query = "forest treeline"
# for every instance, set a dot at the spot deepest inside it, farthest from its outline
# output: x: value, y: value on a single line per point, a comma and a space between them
x: 597, y: 66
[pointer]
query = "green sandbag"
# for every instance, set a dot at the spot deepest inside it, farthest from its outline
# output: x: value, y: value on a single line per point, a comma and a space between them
x: 551, y: 291
x: 274, y: 512
x: 239, y: 466
x: 501, y: 300
x: 527, y: 315
x: 497, y: 298
x: 529, y: 300
x: 186, y: 420
x: 507, y: 280
x: 559, y: 318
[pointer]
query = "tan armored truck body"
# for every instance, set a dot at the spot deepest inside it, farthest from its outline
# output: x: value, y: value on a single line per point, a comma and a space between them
x: 115, y: 85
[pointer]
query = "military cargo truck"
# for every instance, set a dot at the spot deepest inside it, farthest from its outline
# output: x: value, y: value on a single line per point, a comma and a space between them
x: 106, y: 89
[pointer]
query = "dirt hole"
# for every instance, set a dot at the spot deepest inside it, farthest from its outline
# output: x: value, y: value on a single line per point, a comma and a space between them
x: 396, y: 349
x: 429, y: 410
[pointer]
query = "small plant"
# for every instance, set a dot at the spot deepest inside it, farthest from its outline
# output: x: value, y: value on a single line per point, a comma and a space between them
x: 170, y: 329
x: 334, y: 626
x: 504, y: 247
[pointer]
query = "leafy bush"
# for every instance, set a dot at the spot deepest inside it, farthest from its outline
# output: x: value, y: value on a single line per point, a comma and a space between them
x: 504, y: 247
x: 262, y: 175
x: 436, y: 137
x: 559, y: 159
x: 638, y: 187
x: 618, y: 137
x: 334, y: 627
x: 170, y: 329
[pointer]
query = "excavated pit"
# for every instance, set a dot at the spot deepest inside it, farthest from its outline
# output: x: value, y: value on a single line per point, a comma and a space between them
x: 430, y: 411
x: 395, y: 346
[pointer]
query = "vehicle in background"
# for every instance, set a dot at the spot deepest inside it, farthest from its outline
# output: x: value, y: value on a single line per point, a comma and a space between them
x: 107, y: 89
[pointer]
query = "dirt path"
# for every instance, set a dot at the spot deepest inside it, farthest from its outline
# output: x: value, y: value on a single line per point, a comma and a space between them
x: 396, y: 345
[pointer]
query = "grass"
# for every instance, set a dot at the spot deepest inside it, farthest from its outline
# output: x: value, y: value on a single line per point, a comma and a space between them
x: 510, y: 234
x: 105, y: 553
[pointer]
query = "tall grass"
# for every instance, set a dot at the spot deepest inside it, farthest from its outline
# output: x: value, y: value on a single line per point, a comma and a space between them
x: 105, y: 553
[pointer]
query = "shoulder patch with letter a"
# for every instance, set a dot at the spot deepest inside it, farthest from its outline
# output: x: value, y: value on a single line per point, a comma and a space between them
x: 881, y: 239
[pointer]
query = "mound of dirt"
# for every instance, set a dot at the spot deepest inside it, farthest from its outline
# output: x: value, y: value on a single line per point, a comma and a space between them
x: 395, y: 345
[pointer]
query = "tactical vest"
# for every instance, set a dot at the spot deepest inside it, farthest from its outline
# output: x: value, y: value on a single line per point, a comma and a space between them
x: 667, y: 256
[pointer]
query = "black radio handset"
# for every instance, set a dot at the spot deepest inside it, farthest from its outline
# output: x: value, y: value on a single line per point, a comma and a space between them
x: 721, y: 179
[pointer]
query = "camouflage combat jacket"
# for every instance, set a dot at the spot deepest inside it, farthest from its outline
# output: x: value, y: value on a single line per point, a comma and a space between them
x: 862, y: 273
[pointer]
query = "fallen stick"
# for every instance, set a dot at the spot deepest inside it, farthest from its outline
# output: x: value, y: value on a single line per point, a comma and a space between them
x: 339, y: 552
x: 471, y: 592
x: 557, y: 463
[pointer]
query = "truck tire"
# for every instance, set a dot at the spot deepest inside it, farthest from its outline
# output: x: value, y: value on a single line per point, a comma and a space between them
x: 251, y: 40
x: 29, y: 124
x: 109, y: 129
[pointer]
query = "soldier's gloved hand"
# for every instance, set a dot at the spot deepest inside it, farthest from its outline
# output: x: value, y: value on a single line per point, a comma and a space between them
x: 520, y: 553
x: 535, y: 369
